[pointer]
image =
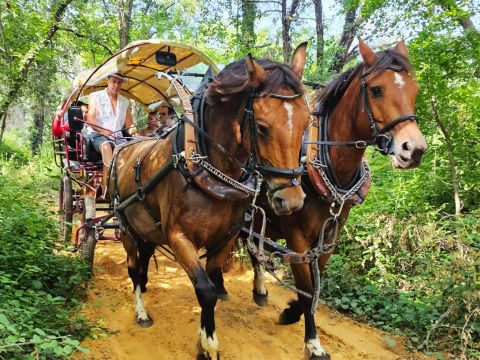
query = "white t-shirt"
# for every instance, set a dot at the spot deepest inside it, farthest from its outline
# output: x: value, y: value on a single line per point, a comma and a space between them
x: 106, y: 117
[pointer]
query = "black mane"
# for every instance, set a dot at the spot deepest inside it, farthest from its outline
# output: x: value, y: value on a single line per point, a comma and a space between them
x: 335, y: 89
x: 233, y: 79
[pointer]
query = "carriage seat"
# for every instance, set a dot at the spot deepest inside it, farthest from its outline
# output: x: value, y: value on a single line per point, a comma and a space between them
x: 89, y: 153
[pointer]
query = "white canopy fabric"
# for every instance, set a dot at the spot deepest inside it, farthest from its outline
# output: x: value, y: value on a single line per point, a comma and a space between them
x: 137, y: 63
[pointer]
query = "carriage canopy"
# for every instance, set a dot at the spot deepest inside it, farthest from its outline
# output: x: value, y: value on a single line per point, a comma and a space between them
x: 147, y: 81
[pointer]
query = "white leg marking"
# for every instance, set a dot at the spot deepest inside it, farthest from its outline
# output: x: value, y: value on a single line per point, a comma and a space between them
x: 314, y: 348
x: 399, y: 80
x: 289, y: 108
x: 260, y: 287
x: 139, y: 306
x: 209, y: 344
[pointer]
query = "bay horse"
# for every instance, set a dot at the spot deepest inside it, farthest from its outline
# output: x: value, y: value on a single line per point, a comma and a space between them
x: 251, y: 120
x: 370, y: 104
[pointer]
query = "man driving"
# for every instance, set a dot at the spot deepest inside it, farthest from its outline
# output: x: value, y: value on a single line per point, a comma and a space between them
x: 108, y: 113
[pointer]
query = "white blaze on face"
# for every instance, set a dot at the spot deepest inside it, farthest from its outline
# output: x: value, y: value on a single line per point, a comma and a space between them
x: 313, y: 347
x: 289, y: 108
x: 399, y: 80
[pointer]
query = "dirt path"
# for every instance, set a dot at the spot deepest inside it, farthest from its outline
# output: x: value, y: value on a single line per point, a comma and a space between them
x: 245, y: 331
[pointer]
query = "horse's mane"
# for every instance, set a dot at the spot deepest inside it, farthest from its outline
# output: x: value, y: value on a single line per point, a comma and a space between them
x: 333, y: 92
x: 233, y: 79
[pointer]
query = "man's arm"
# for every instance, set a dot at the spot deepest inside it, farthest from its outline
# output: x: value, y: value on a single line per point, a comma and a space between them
x: 92, y: 116
x: 129, y: 122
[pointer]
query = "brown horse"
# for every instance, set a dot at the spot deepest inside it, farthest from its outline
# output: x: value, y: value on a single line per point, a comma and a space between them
x: 371, y: 104
x: 254, y: 117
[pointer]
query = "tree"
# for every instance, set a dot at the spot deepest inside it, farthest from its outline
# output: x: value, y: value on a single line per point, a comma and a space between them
x: 18, y: 78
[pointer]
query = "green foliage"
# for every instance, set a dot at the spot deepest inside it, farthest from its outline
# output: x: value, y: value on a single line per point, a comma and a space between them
x: 40, y: 289
x: 406, y: 266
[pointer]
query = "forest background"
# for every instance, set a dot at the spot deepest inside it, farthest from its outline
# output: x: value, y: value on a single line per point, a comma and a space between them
x: 408, y: 261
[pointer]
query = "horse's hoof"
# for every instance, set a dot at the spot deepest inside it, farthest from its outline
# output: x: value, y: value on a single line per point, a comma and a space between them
x: 286, y: 318
x: 222, y: 296
x: 260, y: 299
x: 319, y: 357
x: 202, y: 356
x: 145, y: 323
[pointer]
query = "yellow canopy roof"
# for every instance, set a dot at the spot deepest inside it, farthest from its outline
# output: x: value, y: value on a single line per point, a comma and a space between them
x: 137, y: 63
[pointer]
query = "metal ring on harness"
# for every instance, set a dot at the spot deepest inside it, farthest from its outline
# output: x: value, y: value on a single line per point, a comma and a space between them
x: 140, y: 193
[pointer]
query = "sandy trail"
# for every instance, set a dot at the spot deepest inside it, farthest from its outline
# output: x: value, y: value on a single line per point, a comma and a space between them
x: 245, y: 331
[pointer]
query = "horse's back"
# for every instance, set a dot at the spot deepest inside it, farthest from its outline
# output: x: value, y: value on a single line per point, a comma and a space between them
x: 148, y: 155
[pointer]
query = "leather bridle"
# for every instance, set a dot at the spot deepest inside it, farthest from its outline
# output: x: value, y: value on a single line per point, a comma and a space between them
x: 382, y: 142
x: 256, y: 159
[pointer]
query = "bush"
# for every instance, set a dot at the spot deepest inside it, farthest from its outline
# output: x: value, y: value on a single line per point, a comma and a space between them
x: 40, y: 290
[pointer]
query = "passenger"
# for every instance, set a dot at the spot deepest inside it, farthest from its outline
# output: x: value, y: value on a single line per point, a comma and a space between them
x: 109, y: 112
x: 152, y: 125
x: 166, y: 114
x: 57, y: 129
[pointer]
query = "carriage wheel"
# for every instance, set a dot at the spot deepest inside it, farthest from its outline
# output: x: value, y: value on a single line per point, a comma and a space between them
x: 87, y: 248
x: 65, y: 204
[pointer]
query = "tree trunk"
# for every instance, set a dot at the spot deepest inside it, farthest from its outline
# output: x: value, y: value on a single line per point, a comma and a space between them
x: 463, y: 19
x: 124, y: 8
x: 350, y: 28
x: 18, y: 81
x: 3, y: 120
x: 319, y: 32
x: 287, y: 19
x: 451, y: 157
x: 36, y: 133
x: 248, y: 37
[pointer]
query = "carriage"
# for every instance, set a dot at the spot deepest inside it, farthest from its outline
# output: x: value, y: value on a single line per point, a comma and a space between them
x: 157, y: 73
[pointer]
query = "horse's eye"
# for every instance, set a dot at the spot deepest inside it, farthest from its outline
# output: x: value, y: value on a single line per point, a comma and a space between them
x: 262, y: 130
x: 376, y: 91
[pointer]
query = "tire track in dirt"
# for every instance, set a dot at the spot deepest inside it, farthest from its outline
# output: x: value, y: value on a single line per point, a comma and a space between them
x: 245, y: 331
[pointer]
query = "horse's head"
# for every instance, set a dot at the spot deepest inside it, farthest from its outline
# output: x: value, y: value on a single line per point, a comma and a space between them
x: 274, y: 114
x: 281, y: 116
x: 388, y: 96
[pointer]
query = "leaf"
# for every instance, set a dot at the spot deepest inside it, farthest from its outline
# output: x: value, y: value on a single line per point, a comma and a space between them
x: 4, y: 320
x: 40, y: 332
x: 391, y: 343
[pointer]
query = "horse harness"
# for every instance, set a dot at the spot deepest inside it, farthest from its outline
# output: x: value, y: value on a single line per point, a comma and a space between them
x: 322, y: 180
x: 188, y: 157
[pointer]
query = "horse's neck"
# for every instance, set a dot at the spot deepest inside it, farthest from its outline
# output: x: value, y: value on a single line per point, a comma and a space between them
x: 347, y: 123
x: 221, y: 123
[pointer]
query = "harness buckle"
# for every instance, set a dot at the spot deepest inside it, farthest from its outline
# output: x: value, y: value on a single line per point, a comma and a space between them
x: 177, y: 158
x: 140, y: 193
x: 361, y: 144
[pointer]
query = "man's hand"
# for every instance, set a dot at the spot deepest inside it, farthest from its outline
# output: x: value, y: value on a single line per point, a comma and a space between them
x: 133, y: 131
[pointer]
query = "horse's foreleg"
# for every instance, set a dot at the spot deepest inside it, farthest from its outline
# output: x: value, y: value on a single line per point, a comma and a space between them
x: 260, y: 292
x: 186, y: 254
x: 145, y: 252
x: 303, y: 281
x: 135, y: 273
x: 214, y: 269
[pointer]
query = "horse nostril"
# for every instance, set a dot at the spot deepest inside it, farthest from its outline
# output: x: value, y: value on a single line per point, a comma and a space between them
x: 278, y: 201
x: 407, y: 146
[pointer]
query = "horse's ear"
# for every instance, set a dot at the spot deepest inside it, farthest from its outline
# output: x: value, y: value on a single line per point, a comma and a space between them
x: 299, y: 59
x: 368, y: 55
x: 401, y: 48
x: 255, y: 71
